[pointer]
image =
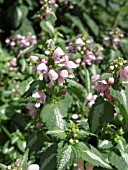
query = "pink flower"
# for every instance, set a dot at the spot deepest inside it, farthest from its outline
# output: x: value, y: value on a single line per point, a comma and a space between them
x: 90, y: 103
x: 49, y: 42
x: 40, y: 96
x: 42, y: 67
x: 79, y: 42
x: 40, y: 16
x: 34, y: 58
x: 102, y: 88
x: 75, y: 116
x: 89, y: 57
x: 95, y: 77
x: 63, y: 73
x: 88, y: 97
x: 33, y: 167
x: 63, y: 92
x: 58, y: 52
x: 106, y: 39
x: 110, y: 32
x: 124, y: 74
x: 52, y: 76
x: 110, y: 80
x: 47, y: 12
x: 121, y: 35
x: 38, y: 125
x: 71, y: 64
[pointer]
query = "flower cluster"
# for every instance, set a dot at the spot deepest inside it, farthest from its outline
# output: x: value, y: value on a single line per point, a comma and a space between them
x: 113, y: 39
x: 59, y: 70
x: 46, y: 8
x: 102, y: 86
x: 90, y: 99
x: 21, y: 41
x: 12, y: 64
x: 55, y: 68
x: 89, y: 51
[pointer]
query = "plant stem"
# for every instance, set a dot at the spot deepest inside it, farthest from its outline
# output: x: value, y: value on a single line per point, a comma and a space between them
x: 6, y: 132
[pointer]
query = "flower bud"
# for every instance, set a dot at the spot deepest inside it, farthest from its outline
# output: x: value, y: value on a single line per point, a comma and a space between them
x: 33, y: 167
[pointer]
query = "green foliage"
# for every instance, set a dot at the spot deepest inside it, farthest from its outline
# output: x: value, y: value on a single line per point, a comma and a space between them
x: 48, y: 158
x: 77, y: 88
x: 65, y: 157
x: 118, y: 161
x: 93, y: 156
x: 105, y: 76
x: 121, y: 95
x: 34, y: 86
x: 100, y: 113
x: 47, y: 27
x: 64, y: 129
x: 52, y: 116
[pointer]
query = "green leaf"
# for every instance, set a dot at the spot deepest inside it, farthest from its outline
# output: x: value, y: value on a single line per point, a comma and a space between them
x: 52, y: 116
x: 47, y: 27
x: 77, y: 22
x: 40, y: 55
x: 59, y: 134
x: 48, y: 158
x: 121, y: 95
x: 87, y: 80
x: 93, y: 156
x: 25, y: 160
x: 24, y: 10
x: 100, y: 113
x: 104, y: 144
x: 77, y: 88
x: 63, y: 157
x: 105, y: 76
x: 26, y: 50
x: 64, y: 104
x: 25, y: 28
x: 118, y: 161
x: 21, y: 145
x: 91, y: 23
x: 3, y: 167
x: 15, y: 15
x: 34, y: 86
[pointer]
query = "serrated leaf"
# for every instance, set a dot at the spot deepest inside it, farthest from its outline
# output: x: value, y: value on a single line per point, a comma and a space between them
x: 93, y: 156
x: 118, y: 161
x: 64, y: 157
x: 51, y: 115
x: 60, y: 134
x: 100, y: 113
x: 121, y: 95
x: 105, y: 144
x: 105, y: 76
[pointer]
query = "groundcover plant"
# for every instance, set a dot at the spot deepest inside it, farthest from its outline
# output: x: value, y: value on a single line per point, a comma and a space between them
x: 64, y: 85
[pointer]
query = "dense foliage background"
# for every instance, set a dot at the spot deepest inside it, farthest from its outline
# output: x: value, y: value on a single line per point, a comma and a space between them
x: 64, y: 130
